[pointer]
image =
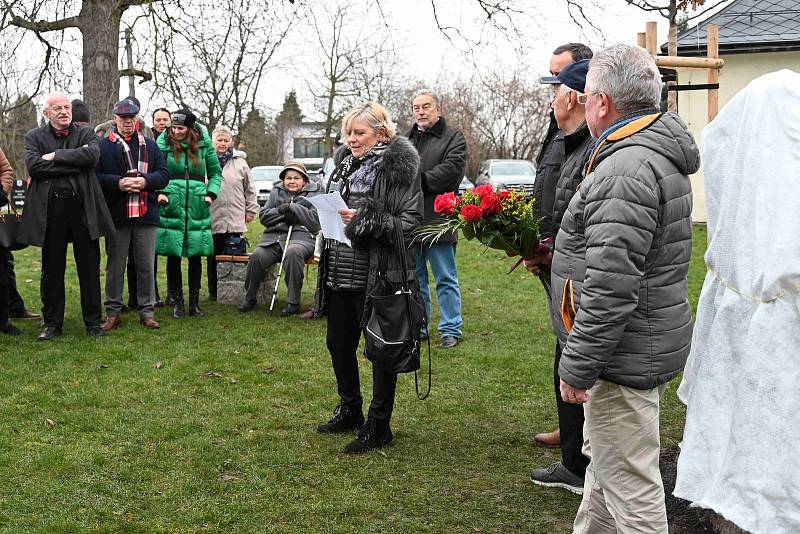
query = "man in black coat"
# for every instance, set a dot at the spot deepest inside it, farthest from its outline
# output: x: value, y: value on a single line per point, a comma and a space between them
x: 64, y: 204
x: 443, y: 155
x: 548, y: 170
x: 131, y: 171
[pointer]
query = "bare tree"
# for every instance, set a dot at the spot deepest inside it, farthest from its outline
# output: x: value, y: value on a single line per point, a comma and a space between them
x: 216, y: 63
x: 350, y: 67
x: 98, y: 22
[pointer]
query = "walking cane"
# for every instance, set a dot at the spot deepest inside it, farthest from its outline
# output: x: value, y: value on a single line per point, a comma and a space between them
x: 280, y: 269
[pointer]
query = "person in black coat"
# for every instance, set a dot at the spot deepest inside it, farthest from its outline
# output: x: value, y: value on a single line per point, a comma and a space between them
x: 6, y: 183
x: 131, y: 171
x: 443, y: 155
x: 64, y: 204
x: 376, y: 175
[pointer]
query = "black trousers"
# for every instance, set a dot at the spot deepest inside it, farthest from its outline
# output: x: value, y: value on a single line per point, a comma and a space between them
x: 570, y: 422
x: 15, y: 302
x: 65, y: 224
x: 133, y: 301
x: 211, y: 263
x: 4, y: 286
x: 344, y: 318
x: 175, y: 277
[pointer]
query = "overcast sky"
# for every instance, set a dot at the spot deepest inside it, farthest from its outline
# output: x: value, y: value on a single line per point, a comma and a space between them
x: 428, y: 55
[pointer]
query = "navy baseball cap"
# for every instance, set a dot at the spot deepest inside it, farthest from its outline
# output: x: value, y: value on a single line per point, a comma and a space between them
x: 573, y: 76
x: 126, y: 107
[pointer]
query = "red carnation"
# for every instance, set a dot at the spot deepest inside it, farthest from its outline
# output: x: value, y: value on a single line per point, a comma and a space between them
x: 483, y: 190
x: 445, y: 204
x: 471, y: 213
x: 490, y: 204
x: 504, y: 195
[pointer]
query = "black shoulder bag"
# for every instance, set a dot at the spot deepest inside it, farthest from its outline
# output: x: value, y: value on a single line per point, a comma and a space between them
x: 9, y: 228
x: 392, y: 333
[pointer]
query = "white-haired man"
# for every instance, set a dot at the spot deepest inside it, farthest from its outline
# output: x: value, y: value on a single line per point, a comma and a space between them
x: 619, y: 275
x: 64, y: 204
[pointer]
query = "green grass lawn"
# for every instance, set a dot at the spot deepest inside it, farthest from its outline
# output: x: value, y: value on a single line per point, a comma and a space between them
x: 207, y: 424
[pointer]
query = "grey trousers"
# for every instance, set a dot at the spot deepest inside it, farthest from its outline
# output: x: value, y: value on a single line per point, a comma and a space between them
x: 293, y: 269
x: 141, y: 239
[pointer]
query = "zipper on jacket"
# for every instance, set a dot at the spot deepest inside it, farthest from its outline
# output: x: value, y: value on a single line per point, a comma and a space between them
x: 186, y: 212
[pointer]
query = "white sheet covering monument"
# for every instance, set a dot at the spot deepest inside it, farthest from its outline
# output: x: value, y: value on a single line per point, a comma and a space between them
x: 740, y: 454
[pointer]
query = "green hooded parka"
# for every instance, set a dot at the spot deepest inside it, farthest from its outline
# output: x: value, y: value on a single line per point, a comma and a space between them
x: 185, y: 227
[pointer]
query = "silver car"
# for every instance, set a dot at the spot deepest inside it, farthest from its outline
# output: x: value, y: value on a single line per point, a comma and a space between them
x: 265, y: 176
x: 508, y: 175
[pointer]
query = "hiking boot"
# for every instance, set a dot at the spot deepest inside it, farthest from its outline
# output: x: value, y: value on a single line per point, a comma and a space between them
x: 373, y: 435
x: 345, y: 419
x: 558, y: 476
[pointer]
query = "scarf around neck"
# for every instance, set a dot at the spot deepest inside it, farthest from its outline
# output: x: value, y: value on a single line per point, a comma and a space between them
x: 137, y: 202
x: 225, y: 157
x: 358, y: 174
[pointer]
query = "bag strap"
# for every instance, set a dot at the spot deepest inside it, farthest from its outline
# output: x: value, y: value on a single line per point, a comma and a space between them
x: 400, y: 245
x: 11, y: 207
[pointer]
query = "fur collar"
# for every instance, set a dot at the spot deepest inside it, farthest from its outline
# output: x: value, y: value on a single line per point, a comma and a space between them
x: 400, y: 160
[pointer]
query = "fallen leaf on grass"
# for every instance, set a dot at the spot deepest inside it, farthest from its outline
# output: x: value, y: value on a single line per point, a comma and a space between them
x: 213, y: 374
x: 102, y: 366
x: 49, y: 423
x: 234, y: 381
x: 487, y: 333
x: 157, y: 365
x: 268, y: 370
x: 227, y: 477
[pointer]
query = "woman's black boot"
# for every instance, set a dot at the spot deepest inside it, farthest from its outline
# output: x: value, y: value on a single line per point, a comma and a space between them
x: 178, y: 311
x: 194, y: 304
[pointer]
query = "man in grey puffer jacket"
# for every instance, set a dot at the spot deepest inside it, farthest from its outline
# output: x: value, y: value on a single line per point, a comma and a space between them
x: 619, y: 276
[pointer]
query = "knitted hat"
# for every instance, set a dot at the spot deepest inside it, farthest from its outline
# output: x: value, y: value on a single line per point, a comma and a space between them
x: 80, y: 113
x: 183, y: 117
x: 294, y: 165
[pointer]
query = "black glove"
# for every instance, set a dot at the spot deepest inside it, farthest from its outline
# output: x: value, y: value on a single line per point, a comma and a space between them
x: 288, y: 214
x: 283, y: 208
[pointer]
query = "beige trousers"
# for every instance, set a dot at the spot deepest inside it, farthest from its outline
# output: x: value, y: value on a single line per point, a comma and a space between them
x: 622, y: 492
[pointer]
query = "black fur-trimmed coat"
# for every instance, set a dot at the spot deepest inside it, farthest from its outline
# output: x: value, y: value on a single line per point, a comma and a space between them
x: 396, y: 200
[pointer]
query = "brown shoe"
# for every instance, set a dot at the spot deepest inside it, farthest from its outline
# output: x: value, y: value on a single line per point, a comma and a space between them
x: 112, y: 322
x: 310, y: 314
x: 149, y: 322
x: 548, y: 440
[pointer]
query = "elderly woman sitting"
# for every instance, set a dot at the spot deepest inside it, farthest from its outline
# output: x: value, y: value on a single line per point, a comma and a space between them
x: 282, y: 212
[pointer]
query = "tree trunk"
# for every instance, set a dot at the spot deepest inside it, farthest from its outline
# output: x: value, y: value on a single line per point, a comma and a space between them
x: 100, y: 20
x: 672, y: 50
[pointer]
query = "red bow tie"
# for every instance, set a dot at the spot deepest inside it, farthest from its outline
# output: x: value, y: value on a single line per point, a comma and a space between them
x: 62, y: 133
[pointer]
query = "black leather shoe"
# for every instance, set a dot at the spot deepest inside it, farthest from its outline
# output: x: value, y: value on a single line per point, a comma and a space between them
x: 248, y: 306
x: 24, y: 314
x: 49, y: 333
x: 290, y: 309
x: 96, y: 331
x: 448, y: 342
x: 10, y: 329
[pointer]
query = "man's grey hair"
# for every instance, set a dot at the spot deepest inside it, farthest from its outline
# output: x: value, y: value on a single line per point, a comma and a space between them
x: 221, y: 130
x: 628, y: 76
x: 427, y: 92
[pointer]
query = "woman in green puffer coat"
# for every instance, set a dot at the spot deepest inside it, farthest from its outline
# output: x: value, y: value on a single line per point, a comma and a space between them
x: 185, y: 227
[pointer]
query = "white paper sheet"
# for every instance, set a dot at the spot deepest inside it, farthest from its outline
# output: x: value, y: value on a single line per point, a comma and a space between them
x: 328, y: 207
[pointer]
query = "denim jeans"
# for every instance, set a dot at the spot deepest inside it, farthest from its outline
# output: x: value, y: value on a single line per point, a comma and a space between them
x: 442, y: 257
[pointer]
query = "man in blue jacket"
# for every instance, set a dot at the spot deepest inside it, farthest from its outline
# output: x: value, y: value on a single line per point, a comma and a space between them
x: 131, y: 170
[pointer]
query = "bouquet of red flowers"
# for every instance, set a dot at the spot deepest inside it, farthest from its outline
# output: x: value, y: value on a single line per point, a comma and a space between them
x: 501, y: 220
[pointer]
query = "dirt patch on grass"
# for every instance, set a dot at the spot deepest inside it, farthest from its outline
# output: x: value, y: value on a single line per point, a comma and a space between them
x: 682, y: 518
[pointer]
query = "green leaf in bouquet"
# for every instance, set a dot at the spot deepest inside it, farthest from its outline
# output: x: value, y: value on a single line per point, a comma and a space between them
x: 468, y: 229
x: 529, y: 240
x: 430, y: 233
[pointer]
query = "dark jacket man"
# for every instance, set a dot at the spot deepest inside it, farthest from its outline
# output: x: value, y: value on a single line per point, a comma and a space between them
x: 548, y: 169
x: 112, y: 167
x: 443, y: 155
x: 72, y: 167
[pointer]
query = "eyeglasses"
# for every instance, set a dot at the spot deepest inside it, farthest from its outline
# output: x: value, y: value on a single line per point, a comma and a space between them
x: 584, y: 97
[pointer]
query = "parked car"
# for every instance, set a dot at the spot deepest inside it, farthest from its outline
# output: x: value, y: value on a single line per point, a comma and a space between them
x: 508, y: 175
x: 265, y: 176
x: 324, y: 172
